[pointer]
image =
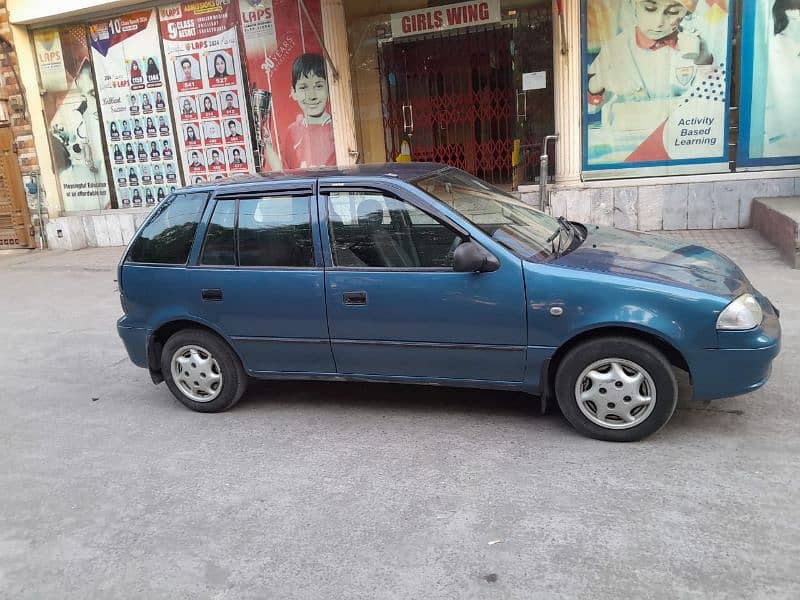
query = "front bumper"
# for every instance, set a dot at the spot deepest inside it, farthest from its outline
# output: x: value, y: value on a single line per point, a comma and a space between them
x: 135, y: 340
x: 741, y: 364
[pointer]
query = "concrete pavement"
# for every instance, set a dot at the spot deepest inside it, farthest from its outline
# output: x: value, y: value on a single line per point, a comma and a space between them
x: 109, y: 488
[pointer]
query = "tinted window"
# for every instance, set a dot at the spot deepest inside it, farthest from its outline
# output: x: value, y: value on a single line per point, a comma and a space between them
x: 219, y: 247
x: 275, y: 231
x: 376, y: 230
x: 167, y: 238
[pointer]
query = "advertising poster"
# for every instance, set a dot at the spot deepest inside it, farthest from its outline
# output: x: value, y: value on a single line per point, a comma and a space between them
x: 656, y: 81
x: 770, y: 129
x: 70, y: 108
x: 136, y: 120
x: 286, y: 66
x: 202, y: 49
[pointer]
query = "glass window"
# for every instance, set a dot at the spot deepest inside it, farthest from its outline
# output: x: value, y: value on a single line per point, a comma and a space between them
x: 220, y: 248
x: 385, y: 232
x: 516, y: 225
x: 168, y: 236
x: 275, y: 231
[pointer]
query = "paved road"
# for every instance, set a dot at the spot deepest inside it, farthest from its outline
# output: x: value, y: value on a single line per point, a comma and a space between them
x: 110, y: 489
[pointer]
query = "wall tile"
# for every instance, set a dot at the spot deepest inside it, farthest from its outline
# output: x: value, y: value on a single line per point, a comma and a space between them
x: 699, y: 210
x: 625, y: 208
x: 675, y: 213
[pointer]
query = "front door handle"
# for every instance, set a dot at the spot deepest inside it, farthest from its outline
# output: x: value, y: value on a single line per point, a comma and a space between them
x: 212, y: 294
x: 354, y: 298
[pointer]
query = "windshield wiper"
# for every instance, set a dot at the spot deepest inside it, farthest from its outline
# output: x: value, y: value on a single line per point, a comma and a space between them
x: 563, y: 225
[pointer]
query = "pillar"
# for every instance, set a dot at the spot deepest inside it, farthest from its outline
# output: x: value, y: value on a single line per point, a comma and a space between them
x: 341, y: 92
x: 568, y: 92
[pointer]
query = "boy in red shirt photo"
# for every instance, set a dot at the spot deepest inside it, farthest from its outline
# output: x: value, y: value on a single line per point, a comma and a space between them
x: 308, y: 141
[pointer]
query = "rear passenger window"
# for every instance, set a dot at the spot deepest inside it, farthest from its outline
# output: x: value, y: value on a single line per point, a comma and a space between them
x: 168, y: 236
x: 275, y: 231
x: 220, y: 246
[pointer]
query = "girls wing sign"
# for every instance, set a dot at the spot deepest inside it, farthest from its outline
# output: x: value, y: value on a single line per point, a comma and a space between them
x: 205, y: 74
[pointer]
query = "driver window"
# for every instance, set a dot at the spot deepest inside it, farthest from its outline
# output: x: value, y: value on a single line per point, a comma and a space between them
x: 371, y: 229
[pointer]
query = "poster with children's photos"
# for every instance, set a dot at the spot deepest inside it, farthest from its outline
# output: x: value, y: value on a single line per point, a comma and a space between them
x: 205, y: 76
x: 656, y: 77
x: 136, y: 119
x: 286, y: 64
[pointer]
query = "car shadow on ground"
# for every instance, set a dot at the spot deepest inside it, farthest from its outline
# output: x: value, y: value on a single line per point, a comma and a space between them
x: 395, y: 397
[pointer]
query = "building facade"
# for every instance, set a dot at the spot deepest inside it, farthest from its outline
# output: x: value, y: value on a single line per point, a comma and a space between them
x: 644, y: 114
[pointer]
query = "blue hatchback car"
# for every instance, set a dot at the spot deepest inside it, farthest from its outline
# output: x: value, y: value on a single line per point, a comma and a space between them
x: 421, y: 273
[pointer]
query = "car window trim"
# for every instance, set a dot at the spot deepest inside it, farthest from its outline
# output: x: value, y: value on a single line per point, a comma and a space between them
x: 294, y: 191
x: 424, y: 206
x: 200, y: 224
x: 325, y: 191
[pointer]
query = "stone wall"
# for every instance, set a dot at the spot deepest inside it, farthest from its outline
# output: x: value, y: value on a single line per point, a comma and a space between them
x: 20, y: 119
x: 723, y: 204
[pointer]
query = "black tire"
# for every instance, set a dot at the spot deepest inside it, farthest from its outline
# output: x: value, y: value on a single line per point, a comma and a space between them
x: 234, y: 379
x: 642, y: 354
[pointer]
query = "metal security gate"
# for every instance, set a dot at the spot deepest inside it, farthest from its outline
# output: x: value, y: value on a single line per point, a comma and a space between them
x: 451, y: 97
x: 14, y: 219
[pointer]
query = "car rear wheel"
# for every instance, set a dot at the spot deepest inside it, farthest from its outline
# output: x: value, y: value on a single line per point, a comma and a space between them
x: 616, y: 389
x: 202, y: 371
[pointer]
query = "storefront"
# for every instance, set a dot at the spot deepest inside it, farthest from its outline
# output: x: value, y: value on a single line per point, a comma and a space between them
x: 658, y: 113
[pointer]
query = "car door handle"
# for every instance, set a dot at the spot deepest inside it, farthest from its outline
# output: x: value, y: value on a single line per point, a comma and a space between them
x: 212, y: 294
x: 354, y: 298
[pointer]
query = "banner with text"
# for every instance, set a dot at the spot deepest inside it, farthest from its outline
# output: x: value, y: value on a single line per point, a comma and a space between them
x: 442, y: 18
x: 136, y: 119
x: 770, y: 128
x: 656, y: 81
x: 202, y: 48
x: 288, y: 75
x: 70, y: 109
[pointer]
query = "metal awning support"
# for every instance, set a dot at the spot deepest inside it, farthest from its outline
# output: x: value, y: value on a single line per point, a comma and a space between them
x: 328, y: 59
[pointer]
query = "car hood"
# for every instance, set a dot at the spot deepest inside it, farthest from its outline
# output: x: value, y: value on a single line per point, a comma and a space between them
x: 658, y: 259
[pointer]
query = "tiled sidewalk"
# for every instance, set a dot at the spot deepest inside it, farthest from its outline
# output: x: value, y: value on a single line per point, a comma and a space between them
x: 741, y: 245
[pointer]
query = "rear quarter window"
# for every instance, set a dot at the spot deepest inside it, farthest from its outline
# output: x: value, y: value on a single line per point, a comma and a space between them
x: 168, y: 236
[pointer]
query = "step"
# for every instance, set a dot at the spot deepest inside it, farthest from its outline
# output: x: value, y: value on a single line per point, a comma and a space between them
x: 778, y: 220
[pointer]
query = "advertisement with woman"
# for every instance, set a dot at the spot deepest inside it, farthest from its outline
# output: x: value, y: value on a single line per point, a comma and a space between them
x: 656, y: 81
x: 132, y: 87
x: 285, y: 62
x: 70, y: 107
x: 202, y: 46
x: 770, y: 129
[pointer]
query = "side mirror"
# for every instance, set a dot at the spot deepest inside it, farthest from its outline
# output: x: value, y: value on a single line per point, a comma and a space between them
x: 469, y: 257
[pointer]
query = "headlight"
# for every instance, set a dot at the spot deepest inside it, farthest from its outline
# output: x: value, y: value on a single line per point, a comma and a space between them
x: 743, y: 313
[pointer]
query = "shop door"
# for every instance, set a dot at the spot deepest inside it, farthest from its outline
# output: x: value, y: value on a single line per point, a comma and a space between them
x: 533, y: 88
x: 14, y: 221
x: 451, y: 97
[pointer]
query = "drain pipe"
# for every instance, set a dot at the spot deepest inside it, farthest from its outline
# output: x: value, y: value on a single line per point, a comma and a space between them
x: 39, y: 208
x: 544, y: 167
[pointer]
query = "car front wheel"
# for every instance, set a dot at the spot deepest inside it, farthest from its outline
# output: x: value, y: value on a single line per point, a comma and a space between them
x: 616, y: 389
x: 202, y: 371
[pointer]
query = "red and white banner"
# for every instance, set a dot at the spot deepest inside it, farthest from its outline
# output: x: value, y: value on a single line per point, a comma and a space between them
x: 136, y: 119
x: 205, y: 74
x: 442, y: 18
x: 285, y: 62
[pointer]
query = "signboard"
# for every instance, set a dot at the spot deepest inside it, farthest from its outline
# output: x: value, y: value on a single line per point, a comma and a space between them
x: 70, y: 109
x: 285, y: 63
x: 537, y: 80
x: 656, y: 78
x: 136, y: 119
x: 443, y: 18
x: 205, y: 73
x: 770, y: 129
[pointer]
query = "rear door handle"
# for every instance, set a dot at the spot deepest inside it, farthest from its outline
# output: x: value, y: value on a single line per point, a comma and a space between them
x: 212, y: 294
x: 354, y: 298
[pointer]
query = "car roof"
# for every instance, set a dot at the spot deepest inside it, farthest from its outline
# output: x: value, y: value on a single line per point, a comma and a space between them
x: 403, y: 171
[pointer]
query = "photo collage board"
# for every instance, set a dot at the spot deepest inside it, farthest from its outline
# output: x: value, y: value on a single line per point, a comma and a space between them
x: 136, y: 117
x: 208, y: 91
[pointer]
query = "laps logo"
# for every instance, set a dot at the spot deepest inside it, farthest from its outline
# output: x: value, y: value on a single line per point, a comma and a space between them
x: 170, y: 13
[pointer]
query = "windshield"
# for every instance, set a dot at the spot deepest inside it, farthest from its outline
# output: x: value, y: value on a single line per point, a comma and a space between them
x: 521, y: 228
